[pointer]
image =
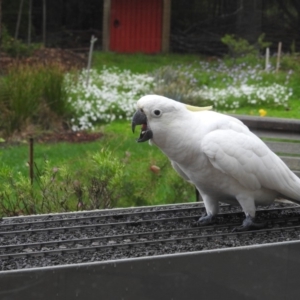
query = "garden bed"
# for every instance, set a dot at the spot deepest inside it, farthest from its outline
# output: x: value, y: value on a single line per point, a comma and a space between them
x: 46, y: 56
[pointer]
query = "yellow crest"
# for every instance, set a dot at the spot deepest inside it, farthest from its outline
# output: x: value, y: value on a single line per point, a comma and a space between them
x: 197, y: 108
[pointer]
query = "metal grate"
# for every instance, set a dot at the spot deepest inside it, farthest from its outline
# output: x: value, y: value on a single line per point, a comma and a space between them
x: 49, y: 240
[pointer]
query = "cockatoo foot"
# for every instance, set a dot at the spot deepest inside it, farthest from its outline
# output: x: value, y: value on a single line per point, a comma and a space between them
x: 249, y: 224
x: 206, y: 220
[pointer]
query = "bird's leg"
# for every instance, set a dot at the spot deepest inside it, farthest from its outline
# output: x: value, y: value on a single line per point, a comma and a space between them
x: 249, y: 224
x: 212, y: 209
x: 248, y: 206
x: 206, y: 220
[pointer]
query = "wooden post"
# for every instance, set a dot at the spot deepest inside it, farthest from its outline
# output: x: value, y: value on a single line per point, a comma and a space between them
x: 106, y: 22
x: 267, y: 59
x: 278, y: 56
x: 166, y: 24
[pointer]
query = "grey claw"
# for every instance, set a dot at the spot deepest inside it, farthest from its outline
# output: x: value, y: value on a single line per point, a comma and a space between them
x: 249, y: 224
x: 206, y: 220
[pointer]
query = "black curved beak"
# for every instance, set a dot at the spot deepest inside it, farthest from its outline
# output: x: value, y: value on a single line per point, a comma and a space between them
x: 139, y: 118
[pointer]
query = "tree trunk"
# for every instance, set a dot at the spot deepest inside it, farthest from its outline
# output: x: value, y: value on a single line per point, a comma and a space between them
x: 249, y: 21
x: 29, y: 22
x: 44, y: 22
x: 19, y: 19
x: 0, y: 23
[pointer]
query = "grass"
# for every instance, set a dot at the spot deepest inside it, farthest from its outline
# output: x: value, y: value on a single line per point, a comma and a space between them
x: 141, y: 63
x: 16, y: 157
x: 32, y: 96
x: 293, y: 112
x: 138, y: 184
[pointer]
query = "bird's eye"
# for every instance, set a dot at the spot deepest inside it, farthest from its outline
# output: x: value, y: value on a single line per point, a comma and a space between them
x: 157, y: 112
x: 142, y: 110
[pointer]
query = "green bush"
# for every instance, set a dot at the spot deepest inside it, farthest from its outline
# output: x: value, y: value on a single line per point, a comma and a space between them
x: 32, y: 95
x: 101, y: 180
x: 238, y: 47
x: 290, y: 62
x: 56, y: 189
x: 54, y: 92
x: 178, y: 84
x: 16, y: 48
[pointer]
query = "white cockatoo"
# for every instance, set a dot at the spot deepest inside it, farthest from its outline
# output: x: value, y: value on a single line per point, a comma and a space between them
x: 218, y: 154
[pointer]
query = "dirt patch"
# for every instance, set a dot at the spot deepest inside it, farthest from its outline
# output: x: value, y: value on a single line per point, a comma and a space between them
x: 53, y: 137
x: 46, y: 56
x: 69, y: 137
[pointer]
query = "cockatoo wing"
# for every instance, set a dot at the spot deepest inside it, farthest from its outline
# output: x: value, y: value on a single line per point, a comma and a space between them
x: 246, y: 158
x: 180, y: 171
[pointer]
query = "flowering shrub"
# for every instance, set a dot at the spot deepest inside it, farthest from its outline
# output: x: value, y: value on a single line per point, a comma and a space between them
x: 111, y: 94
x: 232, y: 87
x: 237, y: 96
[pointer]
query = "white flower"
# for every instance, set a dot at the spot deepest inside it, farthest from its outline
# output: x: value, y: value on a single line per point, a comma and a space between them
x: 110, y: 91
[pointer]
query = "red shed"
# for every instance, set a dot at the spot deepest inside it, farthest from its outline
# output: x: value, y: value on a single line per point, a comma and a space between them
x: 131, y: 26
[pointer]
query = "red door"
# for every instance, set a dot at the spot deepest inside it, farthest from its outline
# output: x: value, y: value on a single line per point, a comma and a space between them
x: 136, y: 26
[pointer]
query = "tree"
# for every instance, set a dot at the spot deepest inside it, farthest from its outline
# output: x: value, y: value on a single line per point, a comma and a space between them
x: 0, y: 22
x: 19, y: 19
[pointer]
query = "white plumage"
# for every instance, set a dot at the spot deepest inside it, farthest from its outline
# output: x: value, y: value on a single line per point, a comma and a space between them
x: 218, y: 154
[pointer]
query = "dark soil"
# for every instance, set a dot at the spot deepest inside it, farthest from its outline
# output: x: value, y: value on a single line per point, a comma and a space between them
x: 69, y: 136
x: 54, y: 137
x: 65, y: 58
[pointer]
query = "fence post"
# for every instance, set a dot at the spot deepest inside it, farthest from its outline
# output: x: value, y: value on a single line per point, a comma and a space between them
x: 267, y: 58
x: 278, y: 56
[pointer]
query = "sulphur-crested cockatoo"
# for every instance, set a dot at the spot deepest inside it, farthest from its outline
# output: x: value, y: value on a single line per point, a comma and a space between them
x: 218, y: 154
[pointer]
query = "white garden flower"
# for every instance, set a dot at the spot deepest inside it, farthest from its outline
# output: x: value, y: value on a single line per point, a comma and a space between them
x: 112, y: 93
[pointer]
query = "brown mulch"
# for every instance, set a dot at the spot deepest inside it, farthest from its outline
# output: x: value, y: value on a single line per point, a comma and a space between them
x: 69, y: 136
x: 53, y: 137
x: 46, y: 56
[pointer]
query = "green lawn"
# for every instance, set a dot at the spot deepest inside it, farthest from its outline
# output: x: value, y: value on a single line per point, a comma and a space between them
x: 141, y: 63
x: 138, y: 184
